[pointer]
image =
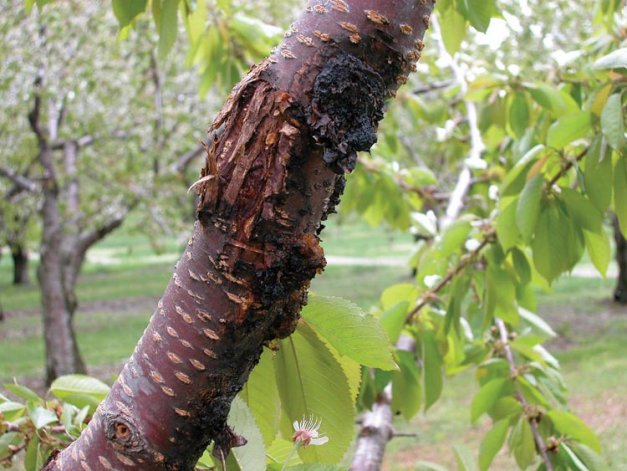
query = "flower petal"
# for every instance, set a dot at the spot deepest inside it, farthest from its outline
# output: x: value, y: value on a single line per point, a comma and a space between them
x: 319, y: 441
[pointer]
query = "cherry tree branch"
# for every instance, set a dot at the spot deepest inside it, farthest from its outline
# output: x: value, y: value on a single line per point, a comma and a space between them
x: 533, y: 421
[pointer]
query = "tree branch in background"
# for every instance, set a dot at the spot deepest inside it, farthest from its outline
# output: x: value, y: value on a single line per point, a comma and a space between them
x: 181, y: 165
x: 35, y: 114
x: 464, y: 182
x: 89, y: 238
x: 21, y: 182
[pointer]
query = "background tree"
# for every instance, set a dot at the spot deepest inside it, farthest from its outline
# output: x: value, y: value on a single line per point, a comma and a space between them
x: 72, y: 163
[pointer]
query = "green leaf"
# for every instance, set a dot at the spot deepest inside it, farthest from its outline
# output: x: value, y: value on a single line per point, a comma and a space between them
x: 28, y: 5
x: 572, y: 460
x: 522, y: 267
x: 168, y: 26
x: 500, y: 294
x: 280, y: 451
x: 12, y: 411
x: 396, y: 293
x: 558, y: 242
x: 23, y: 392
x: 312, y: 383
x: 612, y: 122
x: 350, y: 331
x: 7, y: 439
x: 599, y: 249
x: 251, y: 456
x: 506, y: 408
x: 506, y: 228
x: 406, y: 388
x: 432, y: 368
x: 453, y: 29
x: 516, y: 179
x: 453, y: 238
x: 522, y: 443
x: 41, y: 416
x: 528, y: 206
x: 573, y: 427
x: 127, y: 10
x: 492, y: 443
x: 620, y: 192
x: 598, y: 175
x: 464, y: 458
x: 196, y: 21
x: 537, y: 323
x: 614, y: 60
x: 80, y: 390
x: 584, y: 213
x: 33, y: 461
x: 519, y: 114
x: 479, y: 13
x: 393, y: 320
x: 569, y: 128
x: 262, y: 396
x: 487, y: 396
x: 553, y: 100
x: 591, y: 460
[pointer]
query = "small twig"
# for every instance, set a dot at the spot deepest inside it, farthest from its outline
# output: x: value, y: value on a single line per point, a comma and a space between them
x: 569, y: 164
x: 465, y: 261
x: 509, y: 355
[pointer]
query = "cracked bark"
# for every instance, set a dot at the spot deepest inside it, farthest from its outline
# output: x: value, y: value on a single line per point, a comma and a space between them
x: 276, y: 158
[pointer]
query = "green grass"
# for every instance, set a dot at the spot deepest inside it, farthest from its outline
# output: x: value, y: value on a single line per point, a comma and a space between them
x: 116, y: 301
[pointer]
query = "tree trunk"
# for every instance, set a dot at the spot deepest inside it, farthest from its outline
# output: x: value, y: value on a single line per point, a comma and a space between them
x: 57, y: 295
x: 58, y: 307
x: 620, y: 294
x: 276, y: 158
x: 19, y: 254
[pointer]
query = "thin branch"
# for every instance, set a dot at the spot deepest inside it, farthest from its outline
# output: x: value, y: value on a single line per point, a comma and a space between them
x: 465, y: 261
x: 180, y: 166
x: 21, y: 181
x: 509, y: 355
x: 432, y: 87
x: 567, y: 166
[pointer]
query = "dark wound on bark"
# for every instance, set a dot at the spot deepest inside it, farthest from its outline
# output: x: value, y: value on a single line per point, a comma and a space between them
x: 276, y: 156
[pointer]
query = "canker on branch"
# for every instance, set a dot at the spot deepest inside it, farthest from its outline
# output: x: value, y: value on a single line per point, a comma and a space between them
x: 276, y: 159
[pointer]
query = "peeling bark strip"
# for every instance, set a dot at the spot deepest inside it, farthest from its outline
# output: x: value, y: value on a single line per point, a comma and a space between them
x: 276, y: 156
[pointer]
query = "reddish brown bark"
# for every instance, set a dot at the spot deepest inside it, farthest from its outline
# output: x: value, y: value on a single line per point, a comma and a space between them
x: 275, y: 162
